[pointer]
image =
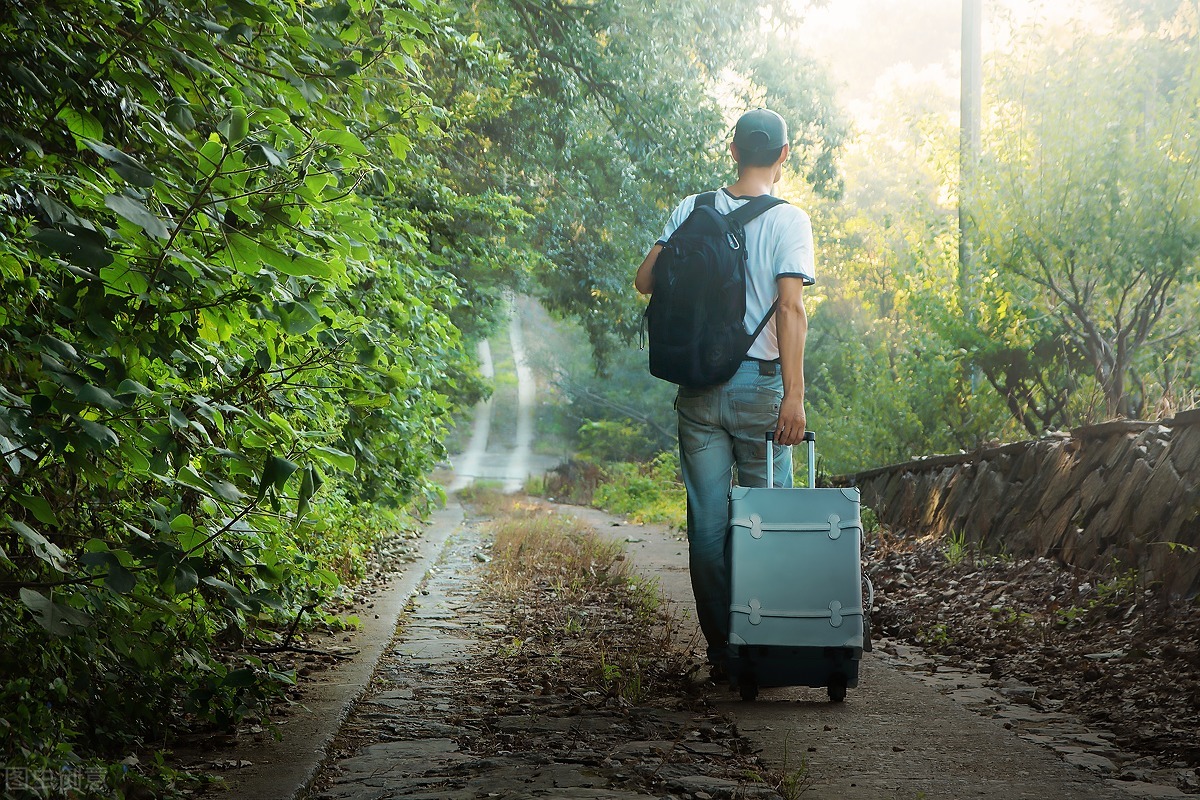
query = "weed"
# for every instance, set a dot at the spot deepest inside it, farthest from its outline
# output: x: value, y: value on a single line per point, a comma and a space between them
x: 870, y: 521
x: 1112, y: 591
x: 957, y: 548
x: 485, y: 497
x: 789, y: 783
x: 622, y: 680
x: 937, y: 636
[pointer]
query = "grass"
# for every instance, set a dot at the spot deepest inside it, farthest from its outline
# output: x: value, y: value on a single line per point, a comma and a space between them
x: 578, y: 609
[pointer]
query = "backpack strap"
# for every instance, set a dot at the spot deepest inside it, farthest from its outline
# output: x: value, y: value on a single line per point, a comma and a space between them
x: 742, y: 215
x: 756, y: 205
x: 706, y: 199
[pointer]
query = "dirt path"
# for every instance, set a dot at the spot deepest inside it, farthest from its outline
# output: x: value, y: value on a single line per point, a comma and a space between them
x: 467, y: 464
x: 502, y: 449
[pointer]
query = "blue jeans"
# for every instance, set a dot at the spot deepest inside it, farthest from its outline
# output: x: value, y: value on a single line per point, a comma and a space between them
x: 721, y: 427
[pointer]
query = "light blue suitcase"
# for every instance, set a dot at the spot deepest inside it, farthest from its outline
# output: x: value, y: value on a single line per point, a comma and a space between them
x: 796, y: 615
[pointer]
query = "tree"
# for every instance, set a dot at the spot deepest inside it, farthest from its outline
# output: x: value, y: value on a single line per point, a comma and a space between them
x: 621, y: 116
x: 1088, y: 201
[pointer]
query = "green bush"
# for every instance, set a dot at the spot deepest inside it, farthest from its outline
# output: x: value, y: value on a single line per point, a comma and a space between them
x: 613, y: 440
x: 651, y: 492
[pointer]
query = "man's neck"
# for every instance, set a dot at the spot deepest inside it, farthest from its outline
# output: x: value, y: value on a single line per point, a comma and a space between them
x: 753, y: 182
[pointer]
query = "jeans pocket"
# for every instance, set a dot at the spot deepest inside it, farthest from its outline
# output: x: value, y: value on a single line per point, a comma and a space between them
x: 756, y: 407
x: 695, y: 429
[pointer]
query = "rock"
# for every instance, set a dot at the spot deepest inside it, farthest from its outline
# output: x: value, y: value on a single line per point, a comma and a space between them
x: 1091, y: 762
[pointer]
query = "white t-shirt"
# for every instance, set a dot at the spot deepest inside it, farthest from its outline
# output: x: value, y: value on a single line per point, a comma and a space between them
x: 779, y: 243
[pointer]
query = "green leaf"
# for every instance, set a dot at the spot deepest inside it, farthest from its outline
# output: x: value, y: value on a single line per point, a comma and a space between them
x: 244, y: 253
x: 8, y: 451
x: 56, y: 618
x: 344, y: 139
x: 96, y: 396
x: 179, y: 114
x: 183, y: 524
x: 335, y: 12
x: 98, y: 433
x: 276, y: 471
x: 211, y: 154
x: 40, y: 546
x: 82, y: 124
x: 133, y: 211
x: 235, y: 596
x: 186, y: 578
x: 192, y: 540
x: 59, y: 347
x: 131, y: 388
x: 78, y: 245
x: 307, y: 488
x: 269, y: 574
x: 177, y: 419
x: 127, y: 167
x: 295, y: 263
x: 188, y: 476
x: 239, y: 678
x: 227, y: 491
x: 235, y: 126
x: 337, y: 458
x: 40, y: 508
x: 300, y: 317
x: 119, y: 579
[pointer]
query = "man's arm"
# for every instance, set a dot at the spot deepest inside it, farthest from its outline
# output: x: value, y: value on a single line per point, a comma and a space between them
x: 644, y: 282
x: 791, y: 323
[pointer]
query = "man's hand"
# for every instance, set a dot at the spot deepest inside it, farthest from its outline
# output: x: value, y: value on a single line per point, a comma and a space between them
x: 790, y: 428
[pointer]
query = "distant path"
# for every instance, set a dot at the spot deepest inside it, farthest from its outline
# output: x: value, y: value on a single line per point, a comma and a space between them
x: 469, y: 462
x: 519, y: 463
x: 488, y: 459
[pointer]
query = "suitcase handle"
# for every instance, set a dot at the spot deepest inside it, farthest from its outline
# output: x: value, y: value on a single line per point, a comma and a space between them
x: 811, y: 439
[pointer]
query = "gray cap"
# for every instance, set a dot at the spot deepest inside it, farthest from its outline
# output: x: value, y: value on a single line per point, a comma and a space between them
x: 760, y: 129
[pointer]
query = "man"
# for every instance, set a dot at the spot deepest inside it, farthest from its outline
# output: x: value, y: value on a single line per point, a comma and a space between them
x: 724, y: 426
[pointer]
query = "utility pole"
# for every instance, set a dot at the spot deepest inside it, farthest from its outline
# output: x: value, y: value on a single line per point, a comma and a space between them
x: 970, y: 113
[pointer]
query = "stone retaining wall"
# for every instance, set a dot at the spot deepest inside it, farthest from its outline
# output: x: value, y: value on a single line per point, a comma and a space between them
x: 1122, y: 491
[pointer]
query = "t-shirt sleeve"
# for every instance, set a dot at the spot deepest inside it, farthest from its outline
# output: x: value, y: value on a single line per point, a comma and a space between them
x: 680, y: 213
x: 794, y: 257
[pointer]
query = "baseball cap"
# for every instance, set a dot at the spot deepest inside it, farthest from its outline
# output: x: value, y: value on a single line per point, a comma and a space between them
x: 760, y: 129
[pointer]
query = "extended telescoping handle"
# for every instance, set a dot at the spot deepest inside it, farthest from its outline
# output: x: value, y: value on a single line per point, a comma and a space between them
x: 811, y: 439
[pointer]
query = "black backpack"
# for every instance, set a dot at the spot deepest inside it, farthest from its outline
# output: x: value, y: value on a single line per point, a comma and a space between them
x: 696, y: 316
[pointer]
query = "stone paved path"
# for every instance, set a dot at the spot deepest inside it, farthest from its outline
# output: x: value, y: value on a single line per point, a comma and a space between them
x: 437, y: 726
x: 911, y: 730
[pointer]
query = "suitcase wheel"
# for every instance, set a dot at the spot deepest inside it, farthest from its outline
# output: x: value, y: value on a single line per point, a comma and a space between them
x: 837, y: 688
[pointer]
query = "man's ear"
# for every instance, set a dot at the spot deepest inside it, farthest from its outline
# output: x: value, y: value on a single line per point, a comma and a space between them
x: 783, y: 157
x: 733, y: 151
